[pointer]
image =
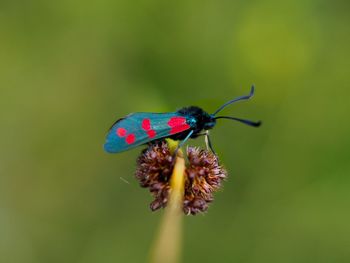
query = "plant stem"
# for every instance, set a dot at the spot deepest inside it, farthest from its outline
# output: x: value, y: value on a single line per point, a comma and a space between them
x: 167, y: 246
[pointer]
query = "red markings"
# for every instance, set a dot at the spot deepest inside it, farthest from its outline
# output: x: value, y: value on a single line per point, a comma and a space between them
x: 180, y: 128
x: 130, y: 138
x: 151, y: 133
x: 121, y: 132
x: 146, y: 124
x: 178, y: 124
x: 176, y: 121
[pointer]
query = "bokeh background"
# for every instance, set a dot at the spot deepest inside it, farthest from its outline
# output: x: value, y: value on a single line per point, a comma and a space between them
x: 69, y: 69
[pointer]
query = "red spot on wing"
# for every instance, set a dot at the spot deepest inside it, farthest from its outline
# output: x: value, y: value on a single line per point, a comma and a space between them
x: 146, y: 124
x: 151, y: 133
x: 121, y: 132
x: 130, y: 138
x: 176, y: 121
x: 178, y: 124
x: 179, y: 128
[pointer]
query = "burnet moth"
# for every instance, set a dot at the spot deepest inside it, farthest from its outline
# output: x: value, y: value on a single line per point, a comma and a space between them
x: 189, y: 122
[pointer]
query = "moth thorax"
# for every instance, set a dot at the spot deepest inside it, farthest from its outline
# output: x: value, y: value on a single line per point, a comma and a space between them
x: 192, y: 121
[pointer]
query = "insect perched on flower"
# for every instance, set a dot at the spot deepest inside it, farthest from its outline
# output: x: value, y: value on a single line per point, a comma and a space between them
x: 189, y: 122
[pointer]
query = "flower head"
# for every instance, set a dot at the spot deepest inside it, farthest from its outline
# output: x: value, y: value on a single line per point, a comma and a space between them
x: 203, y: 176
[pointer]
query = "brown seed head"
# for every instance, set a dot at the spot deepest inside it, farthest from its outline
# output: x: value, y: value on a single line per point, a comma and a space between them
x: 203, y: 176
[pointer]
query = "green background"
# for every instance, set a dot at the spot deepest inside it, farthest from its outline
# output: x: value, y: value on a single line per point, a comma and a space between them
x: 69, y: 69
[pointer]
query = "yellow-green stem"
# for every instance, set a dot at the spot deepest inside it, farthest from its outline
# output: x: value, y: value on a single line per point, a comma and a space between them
x: 167, y: 246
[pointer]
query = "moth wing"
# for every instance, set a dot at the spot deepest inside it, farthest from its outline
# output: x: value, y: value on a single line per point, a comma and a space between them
x: 141, y: 127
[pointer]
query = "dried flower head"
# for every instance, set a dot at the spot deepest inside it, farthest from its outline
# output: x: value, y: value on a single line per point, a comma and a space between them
x: 203, y: 176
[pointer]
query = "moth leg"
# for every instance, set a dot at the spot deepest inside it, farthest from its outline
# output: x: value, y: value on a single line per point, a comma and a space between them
x: 182, y: 143
x: 206, y: 139
x: 209, y: 144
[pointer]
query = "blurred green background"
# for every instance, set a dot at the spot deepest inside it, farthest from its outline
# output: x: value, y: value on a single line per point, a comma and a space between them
x: 69, y: 69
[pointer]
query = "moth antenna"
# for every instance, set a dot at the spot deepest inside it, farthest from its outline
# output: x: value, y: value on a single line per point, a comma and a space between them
x: 246, y: 97
x: 248, y: 122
